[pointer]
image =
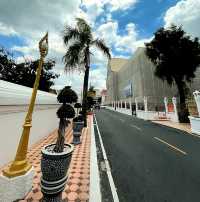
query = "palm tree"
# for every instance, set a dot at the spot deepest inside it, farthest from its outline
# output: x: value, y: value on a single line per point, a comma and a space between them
x: 78, y: 53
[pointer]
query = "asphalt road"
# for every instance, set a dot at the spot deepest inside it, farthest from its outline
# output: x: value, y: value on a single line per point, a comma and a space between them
x: 150, y: 162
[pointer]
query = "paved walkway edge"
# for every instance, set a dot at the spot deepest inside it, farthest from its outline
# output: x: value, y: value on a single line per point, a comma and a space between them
x: 95, y: 193
x: 178, y: 126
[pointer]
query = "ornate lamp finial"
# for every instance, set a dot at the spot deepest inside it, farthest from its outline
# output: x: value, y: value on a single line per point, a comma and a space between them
x: 43, y: 45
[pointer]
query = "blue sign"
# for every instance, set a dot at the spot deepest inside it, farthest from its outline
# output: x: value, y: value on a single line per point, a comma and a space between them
x: 127, y: 91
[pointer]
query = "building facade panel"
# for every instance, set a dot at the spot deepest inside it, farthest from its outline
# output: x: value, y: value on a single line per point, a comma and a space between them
x: 137, y: 73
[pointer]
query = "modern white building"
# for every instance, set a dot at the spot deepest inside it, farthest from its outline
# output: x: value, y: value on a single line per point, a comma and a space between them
x: 132, y: 78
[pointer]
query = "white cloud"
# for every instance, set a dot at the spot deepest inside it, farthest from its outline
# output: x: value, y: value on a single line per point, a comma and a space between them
x: 123, y: 5
x: 69, y: 79
x: 36, y: 17
x: 7, y: 30
x: 31, y: 20
x: 93, y: 11
x: 98, y: 57
x: 98, y: 77
x: 186, y: 13
x: 128, y: 42
x: 108, y: 32
x: 114, y: 4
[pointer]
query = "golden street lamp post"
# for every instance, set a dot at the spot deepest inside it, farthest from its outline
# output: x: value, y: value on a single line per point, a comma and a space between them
x: 20, y: 165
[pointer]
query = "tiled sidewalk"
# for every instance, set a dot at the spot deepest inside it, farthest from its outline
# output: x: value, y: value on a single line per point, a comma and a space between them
x: 181, y: 126
x: 77, y: 188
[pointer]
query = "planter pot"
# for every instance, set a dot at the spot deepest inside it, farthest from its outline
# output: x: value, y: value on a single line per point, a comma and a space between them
x: 54, y: 168
x: 195, y: 124
x: 77, y: 129
x: 192, y: 107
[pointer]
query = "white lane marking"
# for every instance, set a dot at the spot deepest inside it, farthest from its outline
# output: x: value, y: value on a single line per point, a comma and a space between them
x: 95, y: 193
x: 171, y: 146
x: 134, y: 126
x: 108, y: 170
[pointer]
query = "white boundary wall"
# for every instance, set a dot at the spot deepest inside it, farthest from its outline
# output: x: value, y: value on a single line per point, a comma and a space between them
x: 44, y: 121
x: 147, y: 115
x: 121, y: 110
x: 124, y: 111
x: 14, y: 94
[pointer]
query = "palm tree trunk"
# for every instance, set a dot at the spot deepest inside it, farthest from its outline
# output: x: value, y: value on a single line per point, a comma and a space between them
x: 183, y: 112
x: 85, y: 85
x: 61, y: 136
x: 85, y: 89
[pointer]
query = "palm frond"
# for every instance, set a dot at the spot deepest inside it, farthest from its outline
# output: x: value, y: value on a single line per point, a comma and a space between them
x: 84, y: 29
x: 73, y: 57
x: 70, y: 34
x: 86, y: 37
x: 99, y: 43
x: 82, y: 25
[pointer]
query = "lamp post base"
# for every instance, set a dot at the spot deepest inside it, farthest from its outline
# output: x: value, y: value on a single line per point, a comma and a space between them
x: 16, y: 188
x: 17, y: 168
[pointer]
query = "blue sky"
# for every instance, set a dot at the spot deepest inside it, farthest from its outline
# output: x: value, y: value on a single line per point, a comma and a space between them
x: 124, y: 25
x: 147, y: 15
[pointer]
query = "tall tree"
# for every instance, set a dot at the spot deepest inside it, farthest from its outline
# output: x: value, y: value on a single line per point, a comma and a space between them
x: 78, y: 53
x: 7, y: 66
x: 25, y: 73
x: 176, y: 57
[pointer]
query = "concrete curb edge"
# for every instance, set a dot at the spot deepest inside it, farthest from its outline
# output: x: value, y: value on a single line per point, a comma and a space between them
x: 95, y: 192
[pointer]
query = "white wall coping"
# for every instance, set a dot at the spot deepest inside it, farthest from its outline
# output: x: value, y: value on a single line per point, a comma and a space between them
x: 14, y: 94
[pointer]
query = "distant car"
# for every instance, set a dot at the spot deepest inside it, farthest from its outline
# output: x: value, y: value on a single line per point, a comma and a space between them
x: 103, y: 106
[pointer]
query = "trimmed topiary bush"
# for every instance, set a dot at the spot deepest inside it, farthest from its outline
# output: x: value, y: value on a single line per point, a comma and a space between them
x: 67, y: 95
x: 77, y: 105
x: 65, y: 112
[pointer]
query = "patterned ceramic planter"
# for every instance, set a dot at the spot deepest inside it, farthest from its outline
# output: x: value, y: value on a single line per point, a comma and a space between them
x: 197, y: 99
x: 77, y: 129
x: 195, y: 124
x: 54, y: 168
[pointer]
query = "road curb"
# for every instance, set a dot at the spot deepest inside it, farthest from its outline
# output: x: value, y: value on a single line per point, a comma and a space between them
x: 95, y: 192
x: 108, y: 169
